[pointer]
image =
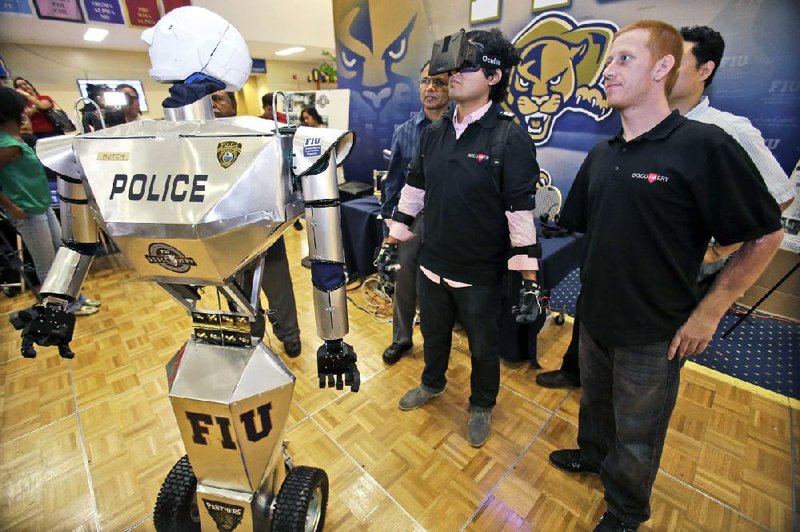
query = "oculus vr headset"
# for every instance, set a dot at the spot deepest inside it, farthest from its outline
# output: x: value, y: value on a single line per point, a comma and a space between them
x: 456, y: 53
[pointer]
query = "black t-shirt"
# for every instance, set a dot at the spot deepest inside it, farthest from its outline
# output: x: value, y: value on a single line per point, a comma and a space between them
x: 648, y: 208
x: 466, y: 234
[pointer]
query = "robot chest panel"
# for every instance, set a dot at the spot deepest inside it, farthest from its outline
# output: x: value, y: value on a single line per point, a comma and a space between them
x: 183, y: 180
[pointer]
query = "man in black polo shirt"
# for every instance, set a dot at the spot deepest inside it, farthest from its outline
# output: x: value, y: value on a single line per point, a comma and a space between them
x: 469, y: 216
x: 649, y: 200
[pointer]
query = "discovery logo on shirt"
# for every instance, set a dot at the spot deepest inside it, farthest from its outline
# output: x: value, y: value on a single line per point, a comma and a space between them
x: 651, y: 177
x: 480, y: 157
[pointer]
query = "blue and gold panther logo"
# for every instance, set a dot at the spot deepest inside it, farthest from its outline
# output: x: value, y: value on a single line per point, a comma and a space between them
x: 374, y: 40
x: 562, y: 62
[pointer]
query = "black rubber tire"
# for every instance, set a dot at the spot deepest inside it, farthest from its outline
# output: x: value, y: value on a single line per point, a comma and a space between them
x: 295, y: 499
x: 559, y: 319
x: 176, y: 505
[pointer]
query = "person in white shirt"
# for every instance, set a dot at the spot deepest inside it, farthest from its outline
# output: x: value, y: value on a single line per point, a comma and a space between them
x: 702, y: 53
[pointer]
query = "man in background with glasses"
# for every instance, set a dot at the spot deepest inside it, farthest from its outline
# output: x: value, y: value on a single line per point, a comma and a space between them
x: 433, y: 95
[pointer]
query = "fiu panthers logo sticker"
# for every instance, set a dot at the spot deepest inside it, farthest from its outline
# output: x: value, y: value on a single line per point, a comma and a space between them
x: 227, y: 152
x: 226, y: 516
x: 169, y: 258
x: 560, y: 71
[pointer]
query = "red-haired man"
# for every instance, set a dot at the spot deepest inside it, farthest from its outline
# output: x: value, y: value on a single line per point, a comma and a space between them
x: 648, y: 201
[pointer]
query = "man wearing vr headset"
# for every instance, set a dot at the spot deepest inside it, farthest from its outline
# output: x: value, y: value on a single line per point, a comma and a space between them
x: 471, y: 210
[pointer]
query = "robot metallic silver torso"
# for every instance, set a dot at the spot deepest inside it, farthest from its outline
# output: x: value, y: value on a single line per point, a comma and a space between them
x: 188, y: 202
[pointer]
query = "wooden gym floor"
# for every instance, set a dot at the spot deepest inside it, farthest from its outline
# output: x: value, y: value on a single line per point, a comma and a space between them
x: 85, y: 444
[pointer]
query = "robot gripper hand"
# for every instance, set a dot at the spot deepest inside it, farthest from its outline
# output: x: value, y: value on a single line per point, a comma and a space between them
x: 45, y: 325
x: 531, y: 303
x: 335, y: 359
x: 386, y: 262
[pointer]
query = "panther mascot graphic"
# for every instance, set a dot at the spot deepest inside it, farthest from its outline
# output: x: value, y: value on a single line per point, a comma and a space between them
x: 376, y: 48
x: 562, y: 62
x: 379, y: 46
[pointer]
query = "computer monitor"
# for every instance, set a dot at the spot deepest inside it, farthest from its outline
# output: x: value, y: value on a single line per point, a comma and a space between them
x: 113, y: 84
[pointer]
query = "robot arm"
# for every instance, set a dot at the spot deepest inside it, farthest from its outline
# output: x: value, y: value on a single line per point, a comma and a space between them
x: 316, y: 154
x: 48, y: 323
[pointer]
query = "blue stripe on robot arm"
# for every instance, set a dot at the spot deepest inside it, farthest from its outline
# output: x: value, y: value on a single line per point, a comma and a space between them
x: 327, y: 276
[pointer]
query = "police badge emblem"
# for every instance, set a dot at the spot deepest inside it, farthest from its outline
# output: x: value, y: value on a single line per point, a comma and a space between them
x: 227, y: 152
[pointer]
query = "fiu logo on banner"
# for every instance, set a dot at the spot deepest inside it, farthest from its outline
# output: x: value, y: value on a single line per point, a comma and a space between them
x: 560, y: 71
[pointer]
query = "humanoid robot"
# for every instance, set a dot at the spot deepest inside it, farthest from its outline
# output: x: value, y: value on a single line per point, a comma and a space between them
x: 192, y: 201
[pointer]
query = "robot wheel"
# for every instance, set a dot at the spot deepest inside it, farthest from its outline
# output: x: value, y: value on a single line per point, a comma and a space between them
x: 302, y: 501
x: 176, y: 506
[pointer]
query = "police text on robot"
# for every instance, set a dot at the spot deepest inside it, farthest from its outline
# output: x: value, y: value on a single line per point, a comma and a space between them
x: 143, y: 187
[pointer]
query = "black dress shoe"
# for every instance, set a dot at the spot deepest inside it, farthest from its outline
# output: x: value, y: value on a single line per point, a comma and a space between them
x: 611, y: 523
x: 395, y: 351
x: 558, y: 379
x: 571, y: 461
x: 292, y: 346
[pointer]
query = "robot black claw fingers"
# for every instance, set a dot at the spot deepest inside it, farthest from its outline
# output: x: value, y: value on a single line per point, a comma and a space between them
x: 531, y: 303
x: 188, y: 202
x: 46, y: 326
x: 336, y: 359
x: 387, y: 261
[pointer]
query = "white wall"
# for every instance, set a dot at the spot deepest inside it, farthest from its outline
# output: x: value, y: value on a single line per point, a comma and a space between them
x: 53, y: 71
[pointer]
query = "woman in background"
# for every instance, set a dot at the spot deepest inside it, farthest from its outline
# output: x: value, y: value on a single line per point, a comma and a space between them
x: 37, y: 104
x: 25, y: 194
x: 310, y: 117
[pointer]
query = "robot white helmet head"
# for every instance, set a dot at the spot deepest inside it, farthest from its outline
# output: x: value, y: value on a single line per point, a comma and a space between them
x: 193, y: 39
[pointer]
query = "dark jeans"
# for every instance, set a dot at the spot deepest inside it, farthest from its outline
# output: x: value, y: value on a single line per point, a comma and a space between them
x: 405, y: 285
x: 276, y: 283
x: 277, y: 286
x: 628, y: 397
x: 570, y: 362
x: 478, y: 310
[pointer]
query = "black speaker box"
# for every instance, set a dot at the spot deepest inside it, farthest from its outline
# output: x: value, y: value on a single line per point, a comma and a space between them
x: 350, y: 190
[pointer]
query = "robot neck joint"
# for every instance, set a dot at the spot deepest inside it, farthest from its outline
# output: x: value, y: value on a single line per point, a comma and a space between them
x: 198, y: 110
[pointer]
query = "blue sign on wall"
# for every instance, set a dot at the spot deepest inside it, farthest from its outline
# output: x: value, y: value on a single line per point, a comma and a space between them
x: 259, y: 66
x: 108, y: 11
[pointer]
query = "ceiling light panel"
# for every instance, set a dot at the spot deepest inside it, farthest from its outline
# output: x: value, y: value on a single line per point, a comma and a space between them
x: 290, y: 51
x: 95, y: 34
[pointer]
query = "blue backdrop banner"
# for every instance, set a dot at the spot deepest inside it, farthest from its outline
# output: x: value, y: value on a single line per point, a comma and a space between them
x: 556, y: 92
